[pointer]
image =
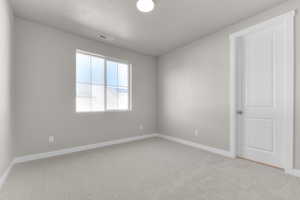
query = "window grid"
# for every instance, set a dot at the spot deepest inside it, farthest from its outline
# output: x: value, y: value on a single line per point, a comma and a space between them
x: 128, y: 87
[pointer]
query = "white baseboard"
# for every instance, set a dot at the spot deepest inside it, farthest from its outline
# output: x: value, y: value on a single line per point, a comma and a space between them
x: 79, y: 148
x: 293, y: 172
x: 197, y: 145
x: 5, y: 174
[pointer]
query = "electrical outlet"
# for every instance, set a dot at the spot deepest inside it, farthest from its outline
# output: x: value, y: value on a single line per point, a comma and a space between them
x: 141, y: 127
x: 196, y: 132
x: 51, y: 139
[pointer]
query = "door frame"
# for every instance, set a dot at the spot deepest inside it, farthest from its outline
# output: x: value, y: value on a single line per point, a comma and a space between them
x: 288, y: 140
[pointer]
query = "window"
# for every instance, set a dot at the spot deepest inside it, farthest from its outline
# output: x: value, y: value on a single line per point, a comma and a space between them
x: 102, y: 84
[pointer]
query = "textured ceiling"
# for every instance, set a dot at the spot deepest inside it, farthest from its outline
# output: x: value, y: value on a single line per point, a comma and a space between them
x: 173, y: 23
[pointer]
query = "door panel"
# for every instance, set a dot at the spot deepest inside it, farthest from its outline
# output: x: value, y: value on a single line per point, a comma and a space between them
x: 262, y: 129
x: 261, y: 93
x: 259, y: 58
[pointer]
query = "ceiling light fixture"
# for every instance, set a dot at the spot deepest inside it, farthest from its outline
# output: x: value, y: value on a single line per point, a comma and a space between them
x: 145, y: 5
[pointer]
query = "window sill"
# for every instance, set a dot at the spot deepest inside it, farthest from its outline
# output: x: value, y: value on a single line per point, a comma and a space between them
x: 102, y: 112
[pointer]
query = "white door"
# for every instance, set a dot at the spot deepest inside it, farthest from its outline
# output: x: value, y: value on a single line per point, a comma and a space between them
x: 261, y: 94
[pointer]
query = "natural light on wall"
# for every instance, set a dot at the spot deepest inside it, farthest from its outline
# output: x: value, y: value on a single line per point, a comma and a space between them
x: 101, y: 84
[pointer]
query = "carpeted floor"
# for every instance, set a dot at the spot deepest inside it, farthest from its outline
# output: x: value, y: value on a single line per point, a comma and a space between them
x: 152, y: 169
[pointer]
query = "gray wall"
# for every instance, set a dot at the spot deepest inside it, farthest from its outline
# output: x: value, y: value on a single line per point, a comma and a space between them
x: 45, y: 91
x: 6, y: 137
x: 193, y: 93
x: 193, y: 89
x: 193, y: 85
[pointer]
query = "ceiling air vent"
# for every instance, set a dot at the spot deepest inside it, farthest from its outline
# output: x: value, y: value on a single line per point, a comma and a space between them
x: 105, y: 37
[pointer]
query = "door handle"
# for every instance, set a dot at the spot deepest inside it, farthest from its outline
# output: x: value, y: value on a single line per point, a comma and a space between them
x: 239, y: 112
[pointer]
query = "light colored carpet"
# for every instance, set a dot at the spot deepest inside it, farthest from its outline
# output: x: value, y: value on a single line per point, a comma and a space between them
x: 152, y: 169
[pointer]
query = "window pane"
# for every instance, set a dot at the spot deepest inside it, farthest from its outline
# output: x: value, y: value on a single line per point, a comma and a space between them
x: 83, y: 104
x: 117, y: 98
x: 112, y: 98
x: 83, y: 80
x: 98, y: 98
x: 123, y: 75
x: 112, y: 73
x: 123, y: 86
x: 83, y: 68
x: 123, y: 98
x: 83, y: 90
x: 90, y: 84
x: 97, y: 84
x: 117, y: 86
x: 97, y: 70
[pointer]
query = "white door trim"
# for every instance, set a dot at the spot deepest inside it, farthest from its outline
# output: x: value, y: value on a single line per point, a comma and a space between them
x: 288, y: 142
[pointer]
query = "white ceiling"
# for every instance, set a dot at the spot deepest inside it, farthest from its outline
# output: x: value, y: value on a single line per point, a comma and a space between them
x: 173, y: 23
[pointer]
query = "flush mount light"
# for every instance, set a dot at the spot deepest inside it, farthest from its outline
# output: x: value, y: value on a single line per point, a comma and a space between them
x: 145, y: 5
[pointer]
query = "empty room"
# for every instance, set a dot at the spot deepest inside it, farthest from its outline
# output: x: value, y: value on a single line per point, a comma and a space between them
x: 149, y: 100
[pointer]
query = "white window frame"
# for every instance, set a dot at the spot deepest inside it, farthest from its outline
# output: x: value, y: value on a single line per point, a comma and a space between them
x: 106, y: 58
